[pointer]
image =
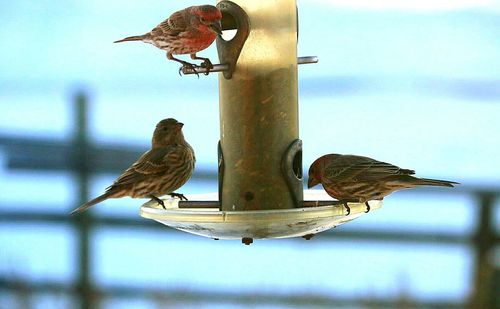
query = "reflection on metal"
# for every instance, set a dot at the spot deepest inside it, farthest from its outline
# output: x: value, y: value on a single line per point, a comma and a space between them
x: 225, y: 67
x: 205, y: 219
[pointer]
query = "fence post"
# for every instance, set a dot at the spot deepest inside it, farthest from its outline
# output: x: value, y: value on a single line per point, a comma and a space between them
x: 483, y: 243
x: 80, y: 158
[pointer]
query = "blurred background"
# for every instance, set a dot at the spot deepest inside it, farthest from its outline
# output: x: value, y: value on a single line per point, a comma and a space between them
x: 414, y: 83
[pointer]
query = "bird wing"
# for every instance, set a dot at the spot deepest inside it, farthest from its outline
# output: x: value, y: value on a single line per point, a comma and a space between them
x: 157, y: 160
x: 358, y: 168
x: 175, y: 24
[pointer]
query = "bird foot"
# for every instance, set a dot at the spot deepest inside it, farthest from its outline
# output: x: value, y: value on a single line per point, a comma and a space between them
x: 347, y: 208
x: 367, y: 207
x: 207, y: 64
x: 179, y: 196
x: 189, y: 66
x: 159, y: 201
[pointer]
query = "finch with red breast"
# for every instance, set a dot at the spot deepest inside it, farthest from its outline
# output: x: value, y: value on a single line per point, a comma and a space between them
x: 160, y: 171
x: 187, y: 31
x: 351, y: 178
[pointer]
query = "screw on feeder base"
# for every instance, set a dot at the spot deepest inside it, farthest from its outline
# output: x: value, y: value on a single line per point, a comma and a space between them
x: 247, y: 240
x: 308, y: 236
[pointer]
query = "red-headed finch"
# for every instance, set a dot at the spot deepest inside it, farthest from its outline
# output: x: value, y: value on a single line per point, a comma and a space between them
x: 160, y: 171
x: 187, y: 31
x: 350, y: 178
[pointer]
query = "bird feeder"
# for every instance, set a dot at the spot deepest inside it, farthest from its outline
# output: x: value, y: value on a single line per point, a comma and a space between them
x: 260, y: 154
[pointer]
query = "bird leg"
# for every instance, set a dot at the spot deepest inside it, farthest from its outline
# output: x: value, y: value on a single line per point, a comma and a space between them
x: 179, y: 196
x: 347, y: 208
x: 185, y: 64
x: 159, y: 201
x: 207, y: 64
x: 367, y: 207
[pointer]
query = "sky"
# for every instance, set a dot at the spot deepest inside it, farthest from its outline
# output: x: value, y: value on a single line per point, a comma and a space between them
x: 370, y: 72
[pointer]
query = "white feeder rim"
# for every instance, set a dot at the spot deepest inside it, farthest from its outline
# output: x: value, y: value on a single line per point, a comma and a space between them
x: 257, y: 224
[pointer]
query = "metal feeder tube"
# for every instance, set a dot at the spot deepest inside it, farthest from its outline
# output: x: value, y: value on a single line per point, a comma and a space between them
x: 259, y: 107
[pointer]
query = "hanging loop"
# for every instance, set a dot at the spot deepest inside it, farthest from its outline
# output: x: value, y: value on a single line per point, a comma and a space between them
x: 233, y: 18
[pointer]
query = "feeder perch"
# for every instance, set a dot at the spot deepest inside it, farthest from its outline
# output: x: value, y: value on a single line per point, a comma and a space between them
x: 260, y: 154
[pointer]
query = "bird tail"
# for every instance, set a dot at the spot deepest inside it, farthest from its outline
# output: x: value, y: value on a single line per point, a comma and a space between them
x: 134, y: 38
x: 434, y: 182
x: 91, y: 203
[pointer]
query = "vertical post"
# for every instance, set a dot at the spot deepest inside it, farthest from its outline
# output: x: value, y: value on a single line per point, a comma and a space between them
x: 81, y: 170
x: 259, y: 110
x: 484, y: 293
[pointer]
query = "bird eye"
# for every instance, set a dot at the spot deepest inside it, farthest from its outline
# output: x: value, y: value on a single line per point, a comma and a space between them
x: 165, y: 129
x: 202, y: 19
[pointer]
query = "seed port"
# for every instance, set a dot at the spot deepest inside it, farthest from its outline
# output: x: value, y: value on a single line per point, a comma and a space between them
x: 229, y: 26
x: 291, y: 168
x: 297, y: 165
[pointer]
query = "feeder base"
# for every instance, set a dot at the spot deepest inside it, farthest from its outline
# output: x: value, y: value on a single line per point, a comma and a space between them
x: 258, y: 224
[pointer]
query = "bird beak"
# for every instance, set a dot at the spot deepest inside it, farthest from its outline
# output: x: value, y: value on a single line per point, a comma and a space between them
x: 215, y: 27
x: 311, y: 182
x: 179, y: 126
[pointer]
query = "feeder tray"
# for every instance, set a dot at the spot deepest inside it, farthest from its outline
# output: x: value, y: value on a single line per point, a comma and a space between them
x: 203, y: 217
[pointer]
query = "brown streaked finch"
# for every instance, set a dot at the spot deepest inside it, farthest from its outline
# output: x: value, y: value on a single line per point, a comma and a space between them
x: 187, y: 31
x: 160, y: 171
x: 351, y: 178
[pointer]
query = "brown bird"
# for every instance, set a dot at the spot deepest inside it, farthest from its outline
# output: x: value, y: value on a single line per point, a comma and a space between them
x: 187, y: 31
x: 350, y: 178
x: 159, y: 171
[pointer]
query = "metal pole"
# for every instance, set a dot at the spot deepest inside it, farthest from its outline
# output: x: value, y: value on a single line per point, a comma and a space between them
x: 216, y: 204
x: 225, y: 67
x: 259, y: 110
